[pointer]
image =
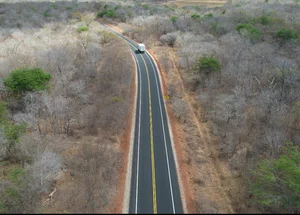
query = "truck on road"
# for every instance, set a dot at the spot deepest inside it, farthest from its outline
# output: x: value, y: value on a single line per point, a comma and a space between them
x: 141, y: 48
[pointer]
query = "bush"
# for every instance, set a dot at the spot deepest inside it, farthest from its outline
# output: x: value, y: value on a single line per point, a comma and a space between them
x: 252, y: 32
x: 286, y: 34
x: 111, y: 14
x: 12, y: 132
x: 82, y: 28
x: 265, y: 20
x: 26, y: 79
x: 107, y: 13
x: 195, y: 16
x: 277, y: 181
x: 209, y: 64
x: 174, y: 18
x: 101, y: 13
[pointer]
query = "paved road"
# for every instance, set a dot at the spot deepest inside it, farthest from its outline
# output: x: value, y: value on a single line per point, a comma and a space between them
x: 154, y: 184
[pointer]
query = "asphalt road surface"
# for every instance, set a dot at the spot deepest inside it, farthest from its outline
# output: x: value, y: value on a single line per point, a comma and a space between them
x: 154, y: 183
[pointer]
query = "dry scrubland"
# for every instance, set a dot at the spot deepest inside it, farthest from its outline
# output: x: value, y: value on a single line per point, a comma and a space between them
x: 73, y: 144
x: 229, y: 120
x: 226, y: 121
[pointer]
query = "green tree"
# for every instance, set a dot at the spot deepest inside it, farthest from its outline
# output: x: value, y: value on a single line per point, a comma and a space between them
x: 251, y: 31
x: 286, y: 35
x: 21, y: 80
x: 11, y: 132
x: 195, y: 16
x: 209, y: 64
x: 276, y: 182
x: 265, y: 20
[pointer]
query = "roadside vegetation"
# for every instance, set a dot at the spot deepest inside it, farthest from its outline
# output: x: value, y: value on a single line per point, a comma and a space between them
x: 65, y: 97
x: 61, y: 134
x: 240, y: 68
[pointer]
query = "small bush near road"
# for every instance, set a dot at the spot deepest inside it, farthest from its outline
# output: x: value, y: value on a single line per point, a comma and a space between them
x: 26, y: 79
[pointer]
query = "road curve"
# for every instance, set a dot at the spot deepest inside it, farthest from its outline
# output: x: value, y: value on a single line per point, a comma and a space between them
x: 154, y: 184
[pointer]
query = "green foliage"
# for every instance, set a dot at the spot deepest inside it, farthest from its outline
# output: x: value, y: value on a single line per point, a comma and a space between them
x: 46, y: 13
x: 209, y: 64
x: 101, y: 13
x: 54, y: 6
x: 214, y: 27
x: 12, y: 132
x: 146, y: 7
x: 174, y: 18
x: 82, y: 28
x: 195, y: 16
x: 3, y: 113
x: 107, y: 13
x: 111, y: 14
x: 277, y: 181
x: 21, y: 80
x: 252, y: 32
x: 12, y: 192
x: 286, y: 34
x: 265, y: 20
x: 16, y: 174
x: 208, y: 16
x: 3, y: 207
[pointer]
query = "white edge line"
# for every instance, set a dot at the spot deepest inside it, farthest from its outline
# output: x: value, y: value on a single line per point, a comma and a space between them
x: 163, y: 127
x: 130, y: 154
x: 139, y: 138
x: 172, y: 142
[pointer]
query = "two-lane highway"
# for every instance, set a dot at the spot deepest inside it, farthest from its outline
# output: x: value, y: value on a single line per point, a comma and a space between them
x: 154, y: 184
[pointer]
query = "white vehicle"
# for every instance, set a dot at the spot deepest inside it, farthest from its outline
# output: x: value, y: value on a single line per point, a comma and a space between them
x: 141, y: 48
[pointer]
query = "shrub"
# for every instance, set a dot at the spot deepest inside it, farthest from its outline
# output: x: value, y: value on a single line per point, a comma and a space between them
x: 252, y: 32
x: 209, y: 64
x: 174, y: 18
x: 195, y: 16
x: 208, y: 16
x: 108, y: 13
x: 286, y: 34
x: 265, y: 20
x: 146, y: 7
x: 12, y: 132
x: 26, y: 79
x: 82, y: 28
x: 101, y: 13
x: 16, y: 174
x: 111, y: 14
x: 277, y: 181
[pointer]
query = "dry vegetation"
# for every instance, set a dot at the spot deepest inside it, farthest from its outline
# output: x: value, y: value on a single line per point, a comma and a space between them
x: 72, y: 148
x: 227, y: 121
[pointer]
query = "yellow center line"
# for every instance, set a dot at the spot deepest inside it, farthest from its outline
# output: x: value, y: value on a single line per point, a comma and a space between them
x: 151, y: 139
x: 152, y: 144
